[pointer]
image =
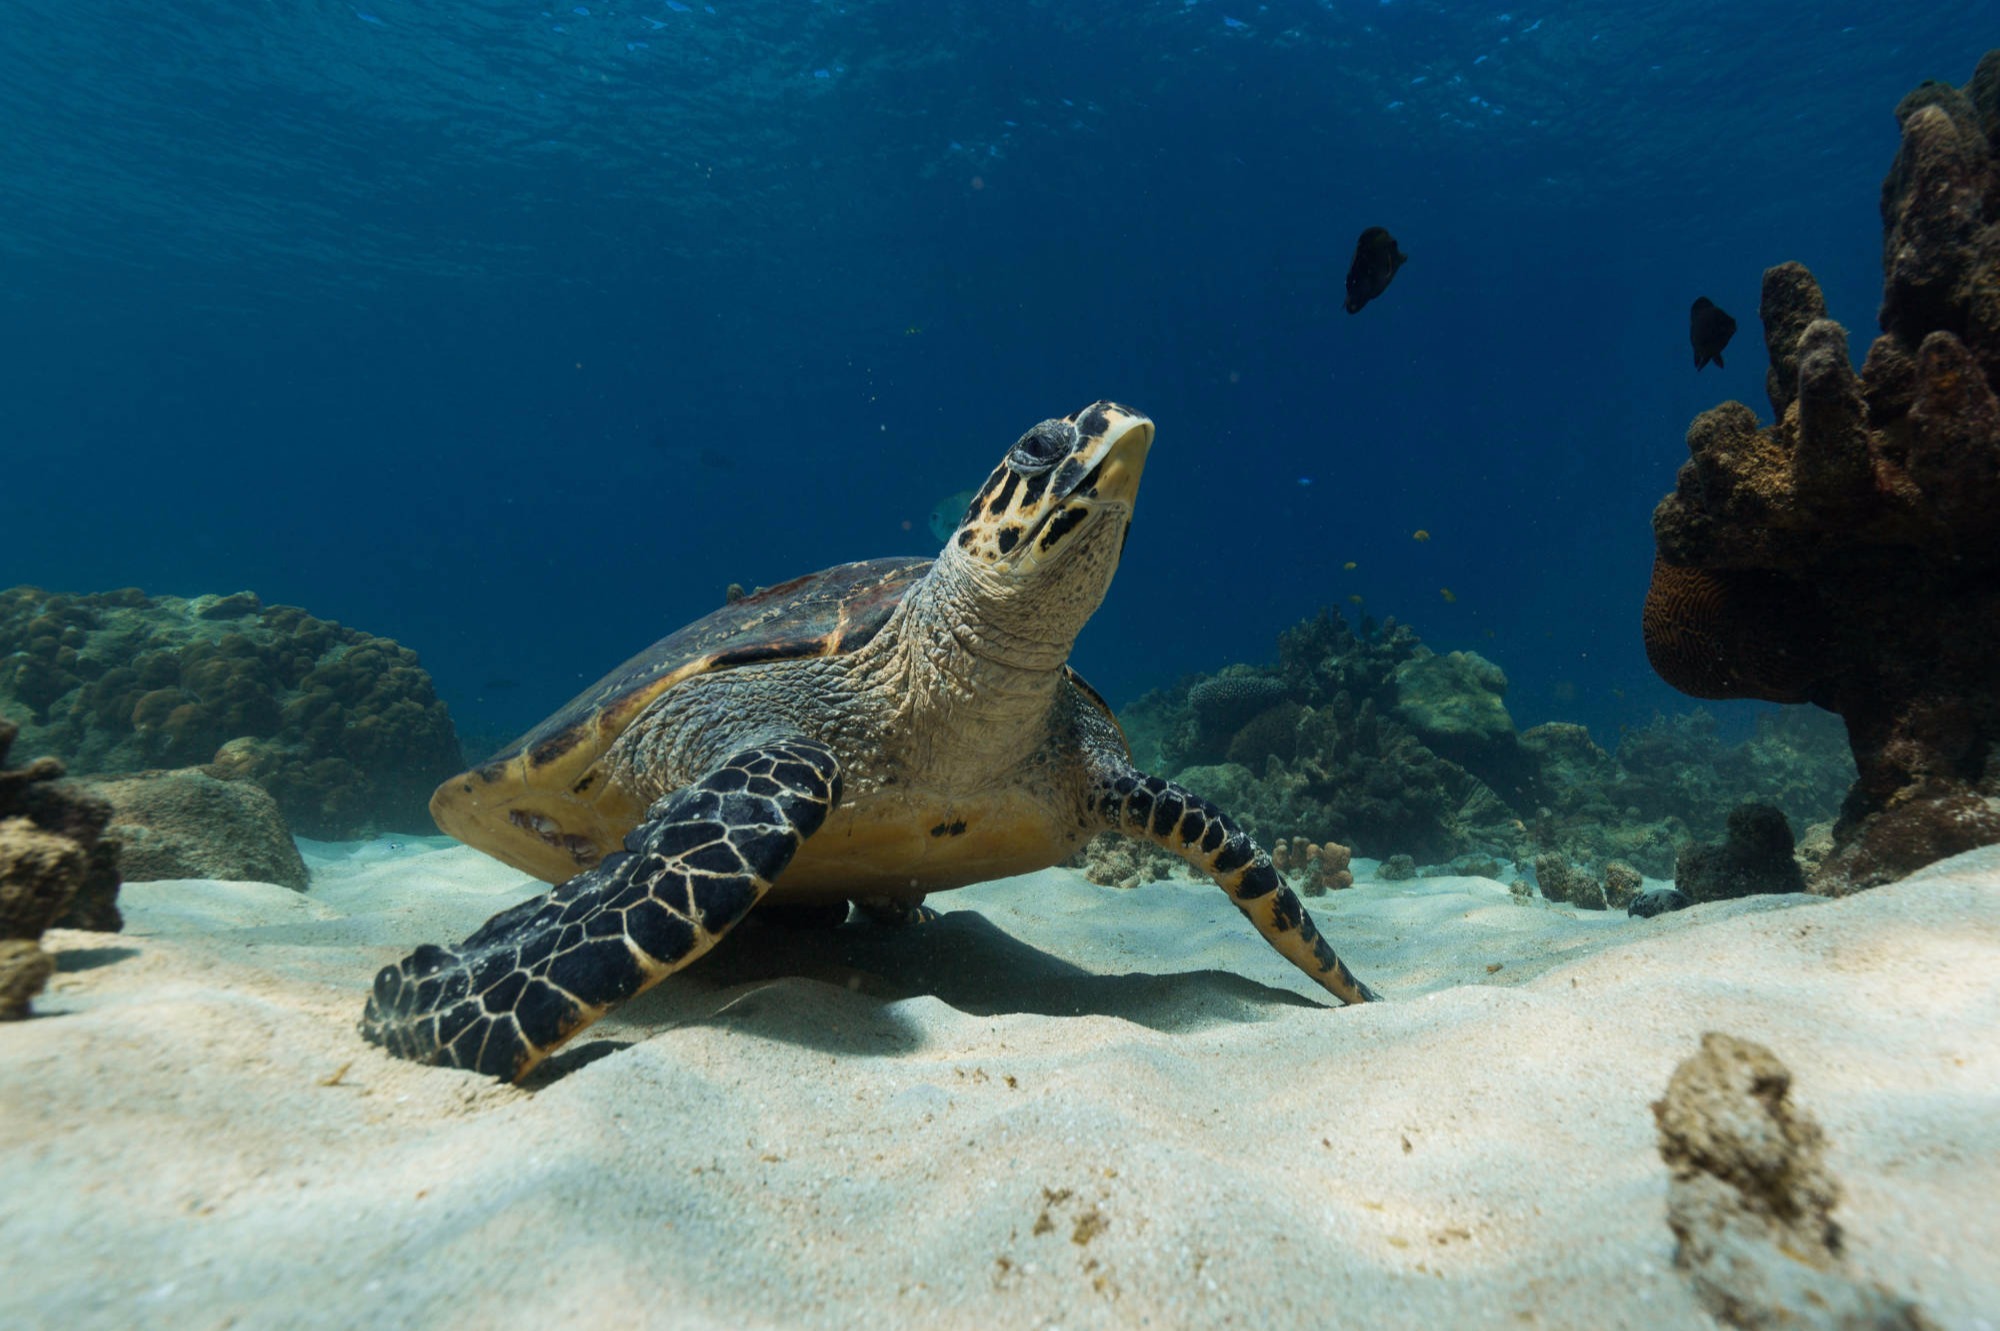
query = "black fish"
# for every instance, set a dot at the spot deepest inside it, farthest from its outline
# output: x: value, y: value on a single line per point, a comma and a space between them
x: 1376, y: 260
x: 1710, y: 330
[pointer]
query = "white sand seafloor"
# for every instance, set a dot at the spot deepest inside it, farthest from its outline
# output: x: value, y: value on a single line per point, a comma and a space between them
x: 1061, y: 1105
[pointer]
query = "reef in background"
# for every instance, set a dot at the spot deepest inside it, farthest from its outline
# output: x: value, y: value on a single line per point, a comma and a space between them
x: 1372, y: 740
x: 1849, y: 555
x: 342, y: 728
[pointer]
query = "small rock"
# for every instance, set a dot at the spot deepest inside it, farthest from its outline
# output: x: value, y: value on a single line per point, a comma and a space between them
x: 1396, y: 869
x: 1563, y: 882
x: 1750, y: 1199
x: 1622, y: 884
x: 1756, y: 858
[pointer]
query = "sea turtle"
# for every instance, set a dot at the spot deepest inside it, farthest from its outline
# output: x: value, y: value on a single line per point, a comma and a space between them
x: 870, y: 733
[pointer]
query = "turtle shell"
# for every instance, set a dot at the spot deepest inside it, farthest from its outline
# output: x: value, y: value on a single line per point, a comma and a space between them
x: 541, y: 804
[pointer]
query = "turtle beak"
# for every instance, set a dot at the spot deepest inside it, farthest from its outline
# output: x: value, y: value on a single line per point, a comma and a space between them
x: 1128, y: 438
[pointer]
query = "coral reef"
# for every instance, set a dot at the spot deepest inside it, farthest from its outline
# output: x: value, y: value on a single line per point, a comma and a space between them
x: 1674, y: 780
x: 1315, y: 869
x: 1370, y: 739
x: 1574, y: 885
x: 1756, y: 858
x: 342, y: 728
x: 1114, y: 860
x: 1750, y: 1199
x: 1563, y: 882
x: 1456, y: 705
x: 1849, y: 554
x: 1314, y: 749
x: 188, y: 824
x: 56, y: 868
x: 1622, y: 885
x: 1222, y: 705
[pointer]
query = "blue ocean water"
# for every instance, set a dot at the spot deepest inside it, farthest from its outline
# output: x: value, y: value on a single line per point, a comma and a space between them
x: 517, y: 333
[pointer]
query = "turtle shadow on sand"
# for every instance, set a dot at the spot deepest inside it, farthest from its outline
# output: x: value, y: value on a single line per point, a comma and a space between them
x: 835, y: 989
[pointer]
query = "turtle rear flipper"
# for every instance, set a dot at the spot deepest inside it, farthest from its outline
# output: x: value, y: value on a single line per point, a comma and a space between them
x: 537, y: 973
x: 1172, y: 816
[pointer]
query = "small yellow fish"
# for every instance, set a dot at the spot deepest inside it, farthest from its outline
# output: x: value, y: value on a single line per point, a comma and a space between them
x: 1449, y: 599
x: 912, y: 330
x: 1356, y: 598
x: 1420, y: 535
x: 1350, y: 566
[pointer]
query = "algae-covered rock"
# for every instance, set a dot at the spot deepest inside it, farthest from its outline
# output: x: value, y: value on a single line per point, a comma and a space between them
x: 188, y: 824
x: 1622, y: 884
x: 1755, y: 858
x: 56, y: 868
x: 1454, y: 701
x: 1564, y: 882
x: 343, y: 728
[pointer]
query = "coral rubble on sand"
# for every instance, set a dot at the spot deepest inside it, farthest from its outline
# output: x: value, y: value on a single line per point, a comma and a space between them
x: 1849, y: 555
x: 1750, y: 1199
x: 342, y: 728
x: 56, y: 868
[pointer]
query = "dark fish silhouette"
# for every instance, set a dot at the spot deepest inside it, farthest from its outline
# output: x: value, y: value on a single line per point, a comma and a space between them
x: 1376, y: 260
x: 1710, y: 330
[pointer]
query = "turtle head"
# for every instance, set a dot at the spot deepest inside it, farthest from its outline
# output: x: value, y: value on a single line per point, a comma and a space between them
x: 1041, y: 539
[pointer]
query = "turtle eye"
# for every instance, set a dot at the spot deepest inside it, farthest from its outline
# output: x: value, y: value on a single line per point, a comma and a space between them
x: 1040, y: 448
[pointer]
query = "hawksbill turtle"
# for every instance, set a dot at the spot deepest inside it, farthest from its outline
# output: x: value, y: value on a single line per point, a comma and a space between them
x: 870, y: 734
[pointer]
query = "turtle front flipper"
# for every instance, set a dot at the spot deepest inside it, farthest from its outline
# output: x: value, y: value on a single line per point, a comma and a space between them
x: 536, y: 974
x: 1157, y: 810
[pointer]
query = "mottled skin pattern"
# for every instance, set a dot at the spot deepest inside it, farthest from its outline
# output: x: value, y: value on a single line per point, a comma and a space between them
x: 907, y: 750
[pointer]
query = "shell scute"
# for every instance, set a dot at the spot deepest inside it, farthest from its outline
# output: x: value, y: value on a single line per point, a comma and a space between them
x: 537, y: 803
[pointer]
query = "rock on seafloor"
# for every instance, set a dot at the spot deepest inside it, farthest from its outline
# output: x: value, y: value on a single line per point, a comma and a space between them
x: 188, y: 824
x: 1751, y: 1198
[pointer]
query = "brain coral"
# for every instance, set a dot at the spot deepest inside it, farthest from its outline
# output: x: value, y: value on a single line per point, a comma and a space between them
x: 343, y: 728
x: 1849, y: 554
